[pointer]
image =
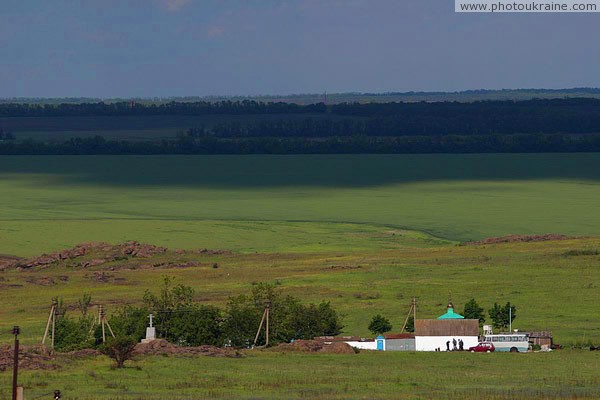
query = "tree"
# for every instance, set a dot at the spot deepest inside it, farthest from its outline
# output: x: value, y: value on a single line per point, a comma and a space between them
x: 410, y: 324
x: 170, y: 300
x: 502, y: 317
x: 119, y: 349
x: 289, y: 318
x: 128, y: 321
x: 379, y: 325
x: 83, y: 304
x: 472, y: 310
x: 197, y: 326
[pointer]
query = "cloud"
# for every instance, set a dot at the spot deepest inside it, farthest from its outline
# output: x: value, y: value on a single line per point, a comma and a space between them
x: 175, y: 5
x: 214, y: 31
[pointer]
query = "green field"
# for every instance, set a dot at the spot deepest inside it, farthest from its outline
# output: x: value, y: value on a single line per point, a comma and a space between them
x: 551, y: 288
x: 367, y: 375
x: 292, y: 203
x: 366, y: 233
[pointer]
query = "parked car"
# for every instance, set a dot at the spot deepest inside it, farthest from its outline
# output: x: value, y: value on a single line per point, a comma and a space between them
x: 483, y: 347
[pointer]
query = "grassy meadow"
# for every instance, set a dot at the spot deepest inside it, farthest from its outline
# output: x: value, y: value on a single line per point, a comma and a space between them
x: 552, y: 288
x: 367, y: 375
x: 366, y: 233
x: 292, y: 203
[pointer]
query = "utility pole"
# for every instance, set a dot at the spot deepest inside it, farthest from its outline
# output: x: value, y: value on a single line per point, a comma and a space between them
x: 265, y: 317
x: 104, y: 323
x: 16, y: 330
x: 51, y: 322
x: 412, y: 310
x: 101, y: 321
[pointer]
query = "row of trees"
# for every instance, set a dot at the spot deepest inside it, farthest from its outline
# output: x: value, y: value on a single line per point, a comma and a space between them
x: 180, y: 320
x: 478, y: 117
x: 501, y: 316
x: 6, y: 135
x: 528, y: 143
x: 125, y: 108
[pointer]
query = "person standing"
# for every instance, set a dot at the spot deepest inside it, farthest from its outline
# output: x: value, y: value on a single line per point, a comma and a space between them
x: 454, y: 344
x: 448, y: 345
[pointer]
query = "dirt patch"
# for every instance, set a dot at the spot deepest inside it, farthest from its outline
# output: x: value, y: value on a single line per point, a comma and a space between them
x: 9, y: 285
x: 313, y: 346
x: 42, y: 281
x: 162, y: 347
x: 343, y: 267
x: 208, y: 252
x: 102, y: 277
x: 30, y: 358
x: 520, y: 239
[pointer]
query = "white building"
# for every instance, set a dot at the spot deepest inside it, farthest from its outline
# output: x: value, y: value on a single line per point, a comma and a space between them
x: 446, y: 332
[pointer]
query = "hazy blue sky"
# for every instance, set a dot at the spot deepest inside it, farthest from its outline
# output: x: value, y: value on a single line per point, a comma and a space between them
x: 107, y: 48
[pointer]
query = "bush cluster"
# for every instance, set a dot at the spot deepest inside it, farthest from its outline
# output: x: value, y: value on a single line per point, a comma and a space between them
x: 180, y: 320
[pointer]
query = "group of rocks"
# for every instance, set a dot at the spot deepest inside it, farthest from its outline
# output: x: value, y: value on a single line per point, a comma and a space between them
x: 99, y: 253
x: 107, y: 253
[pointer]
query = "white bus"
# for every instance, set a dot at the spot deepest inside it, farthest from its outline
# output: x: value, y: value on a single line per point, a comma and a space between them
x: 513, y: 342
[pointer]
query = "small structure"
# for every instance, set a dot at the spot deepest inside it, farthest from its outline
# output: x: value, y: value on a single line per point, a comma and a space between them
x: 354, y: 341
x: 449, y: 332
x: 150, y: 331
x: 400, y: 342
x: 541, y: 338
x: 380, y: 343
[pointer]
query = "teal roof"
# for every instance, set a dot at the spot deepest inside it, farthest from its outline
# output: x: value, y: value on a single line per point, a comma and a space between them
x: 450, y: 314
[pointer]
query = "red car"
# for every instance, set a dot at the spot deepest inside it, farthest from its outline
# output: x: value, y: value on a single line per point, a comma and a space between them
x: 483, y: 347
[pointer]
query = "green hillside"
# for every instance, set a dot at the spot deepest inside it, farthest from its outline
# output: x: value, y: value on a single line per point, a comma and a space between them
x: 311, y: 203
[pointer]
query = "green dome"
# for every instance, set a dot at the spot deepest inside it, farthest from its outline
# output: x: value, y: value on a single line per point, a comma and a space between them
x: 450, y: 314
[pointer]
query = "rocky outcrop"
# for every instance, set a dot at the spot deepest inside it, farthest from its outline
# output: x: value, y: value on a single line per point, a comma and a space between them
x: 519, y: 239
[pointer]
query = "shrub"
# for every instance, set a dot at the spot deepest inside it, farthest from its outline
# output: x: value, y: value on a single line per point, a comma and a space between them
x: 379, y: 325
x: 119, y: 349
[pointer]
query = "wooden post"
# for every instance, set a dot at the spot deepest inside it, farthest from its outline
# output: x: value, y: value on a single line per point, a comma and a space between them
x: 267, y: 333
x: 265, y: 317
x: 109, y: 328
x: 15, y: 332
x: 50, y: 318
x: 53, y: 327
x: 414, y: 305
x: 101, y: 318
x: 413, y: 310
x: 260, y: 327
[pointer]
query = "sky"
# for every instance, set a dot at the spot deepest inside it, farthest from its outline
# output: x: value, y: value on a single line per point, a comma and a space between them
x: 161, y: 48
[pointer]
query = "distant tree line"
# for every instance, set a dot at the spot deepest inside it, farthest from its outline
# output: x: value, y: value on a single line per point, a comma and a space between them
x: 518, y: 143
x: 552, y: 125
x: 126, y: 108
x: 5, y: 135
x: 548, y: 116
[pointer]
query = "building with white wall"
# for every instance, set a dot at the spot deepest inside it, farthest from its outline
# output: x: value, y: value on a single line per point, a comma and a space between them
x: 446, y: 332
